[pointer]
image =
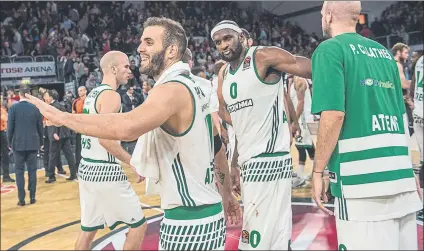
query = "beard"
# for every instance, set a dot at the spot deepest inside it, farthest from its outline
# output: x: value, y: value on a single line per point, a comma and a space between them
x: 326, y: 31
x: 235, y: 54
x: 156, y: 65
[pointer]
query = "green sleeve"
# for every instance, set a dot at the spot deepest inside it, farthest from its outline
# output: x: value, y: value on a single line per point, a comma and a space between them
x: 328, y: 84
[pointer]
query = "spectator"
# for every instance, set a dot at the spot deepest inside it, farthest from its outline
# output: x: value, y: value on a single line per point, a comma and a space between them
x: 6, y: 50
x: 4, y: 151
x: 147, y: 86
x: 135, y: 72
x: 59, y: 140
x: 366, y: 32
x: 130, y: 100
x: 91, y: 82
x: 25, y: 134
x: 12, y: 98
x: 84, y: 77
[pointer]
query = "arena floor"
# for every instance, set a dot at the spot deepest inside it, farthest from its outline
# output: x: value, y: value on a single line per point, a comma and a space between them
x: 53, y: 222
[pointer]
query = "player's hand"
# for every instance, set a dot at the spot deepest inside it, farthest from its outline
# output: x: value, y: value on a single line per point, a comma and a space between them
x: 140, y: 179
x: 55, y: 116
x: 55, y: 136
x: 417, y: 182
x: 295, y: 129
x: 235, y: 180
x: 232, y: 209
x: 318, y: 192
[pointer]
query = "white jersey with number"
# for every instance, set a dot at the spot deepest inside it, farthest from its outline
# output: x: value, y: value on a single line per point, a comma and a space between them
x: 206, y: 87
x: 257, y: 110
x: 214, y: 103
x: 186, y: 162
x: 418, y: 97
x: 91, y: 148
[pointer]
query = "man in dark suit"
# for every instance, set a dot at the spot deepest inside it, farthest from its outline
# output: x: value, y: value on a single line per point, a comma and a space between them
x: 25, y: 135
x: 130, y: 100
x: 60, y: 139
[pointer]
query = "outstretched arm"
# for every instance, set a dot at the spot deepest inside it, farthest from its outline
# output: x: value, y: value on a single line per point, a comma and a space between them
x: 300, y: 88
x: 110, y: 102
x: 164, y: 101
x: 283, y: 61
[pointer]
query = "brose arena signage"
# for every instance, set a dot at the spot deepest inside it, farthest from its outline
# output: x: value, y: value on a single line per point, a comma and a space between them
x: 30, y: 69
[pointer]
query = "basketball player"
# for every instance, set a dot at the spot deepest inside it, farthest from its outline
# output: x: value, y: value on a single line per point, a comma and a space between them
x: 400, y: 54
x: 251, y: 99
x: 106, y: 196
x: 174, y: 117
x: 357, y: 87
x: 417, y: 93
x: 221, y: 164
x: 300, y: 95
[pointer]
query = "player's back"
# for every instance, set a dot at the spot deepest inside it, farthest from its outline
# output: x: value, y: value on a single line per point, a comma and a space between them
x: 97, y: 164
x: 186, y: 162
x: 372, y: 139
x: 91, y: 148
x: 418, y: 95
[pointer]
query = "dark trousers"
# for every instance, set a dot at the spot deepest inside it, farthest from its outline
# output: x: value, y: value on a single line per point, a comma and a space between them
x: 54, y: 155
x: 4, y: 154
x: 302, y: 152
x: 30, y: 159
x: 77, y: 149
x: 410, y: 119
x: 46, y: 156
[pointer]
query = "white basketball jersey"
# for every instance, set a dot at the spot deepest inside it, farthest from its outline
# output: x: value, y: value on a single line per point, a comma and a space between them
x: 186, y: 162
x: 206, y: 87
x: 306, y: 115
x: 91, y: 148
x: 257, y: 110
x: 418, y: 98
x: 214, y: 102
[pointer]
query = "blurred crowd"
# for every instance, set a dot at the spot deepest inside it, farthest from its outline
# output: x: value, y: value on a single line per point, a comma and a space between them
x: 77, y: 34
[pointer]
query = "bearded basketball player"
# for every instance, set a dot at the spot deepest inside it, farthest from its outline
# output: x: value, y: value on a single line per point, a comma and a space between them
x: 193, y: 207
x: 252, y: 100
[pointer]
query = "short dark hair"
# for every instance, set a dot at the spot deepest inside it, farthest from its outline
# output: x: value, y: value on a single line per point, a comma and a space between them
x: 399, y: 47
x: 53, y: 93
x: 174, y: 32
x: 196, y: 70
x: 23, y: 90
x: 245, y: 33
x: 187, y: 56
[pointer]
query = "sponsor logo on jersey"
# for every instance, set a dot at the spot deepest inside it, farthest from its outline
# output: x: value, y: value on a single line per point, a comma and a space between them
x: 240, y: 105
x: 245, y: 236
x: 246, y: 64
x: 377, y: 83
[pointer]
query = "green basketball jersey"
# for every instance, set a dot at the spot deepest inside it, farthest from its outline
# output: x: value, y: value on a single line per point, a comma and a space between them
x: 359, y: 77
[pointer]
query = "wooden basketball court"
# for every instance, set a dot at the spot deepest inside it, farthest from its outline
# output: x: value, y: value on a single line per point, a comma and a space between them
x: 53, y: 222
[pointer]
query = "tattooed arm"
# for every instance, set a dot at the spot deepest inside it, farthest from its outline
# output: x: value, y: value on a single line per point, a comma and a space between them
x: 222, y: 171
x: 232, y: 209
